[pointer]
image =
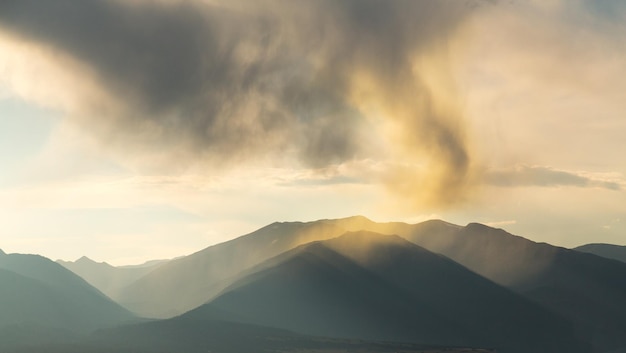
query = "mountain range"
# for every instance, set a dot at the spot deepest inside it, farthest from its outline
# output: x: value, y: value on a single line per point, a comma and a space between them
x: 109, y: 279
x: 42, y: 301
x: 352, y: 280
x: 367, y: 285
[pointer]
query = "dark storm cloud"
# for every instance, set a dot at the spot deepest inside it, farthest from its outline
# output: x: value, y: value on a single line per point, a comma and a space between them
x: 247, y: 78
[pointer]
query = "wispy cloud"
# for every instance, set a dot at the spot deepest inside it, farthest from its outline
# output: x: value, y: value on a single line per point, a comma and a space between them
x: 523, y: 175
x: 499, y: 224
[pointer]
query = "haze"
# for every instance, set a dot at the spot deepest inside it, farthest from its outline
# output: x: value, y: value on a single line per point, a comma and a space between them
x: 137, y: 130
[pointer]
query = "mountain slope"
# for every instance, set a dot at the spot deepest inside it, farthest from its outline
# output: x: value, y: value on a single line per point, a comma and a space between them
x: 525, y: 266
x: 367, y: 285
x: 108, y: 279
x: 585, y: 288
x: 26, y: 300
x: 456, y: 292
x: 316, y: 291
x: 185, y: 283
x: 609, y: 251
x: 37, y: 291
x: 588, y: 289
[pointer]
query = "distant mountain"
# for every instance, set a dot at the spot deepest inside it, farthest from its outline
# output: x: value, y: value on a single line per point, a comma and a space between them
x: 147, y: 264
x: 609, y: 251
x: 108, y: 279
x: 38, y: 296
x: 367, y: 285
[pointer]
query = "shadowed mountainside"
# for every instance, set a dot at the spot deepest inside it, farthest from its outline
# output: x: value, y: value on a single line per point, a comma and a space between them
x: 587, y: 289
x: 185, y: 283
x: 41, y: 301
x: 368, y: 285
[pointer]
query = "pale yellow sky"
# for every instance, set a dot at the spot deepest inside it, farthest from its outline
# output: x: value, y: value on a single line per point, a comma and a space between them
x: 177, y: 129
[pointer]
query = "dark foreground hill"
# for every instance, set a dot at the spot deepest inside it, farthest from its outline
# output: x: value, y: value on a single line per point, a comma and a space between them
x: 609, y: 251
x: 367, y: 285
x: 41, y: 301
x: 202, y: 336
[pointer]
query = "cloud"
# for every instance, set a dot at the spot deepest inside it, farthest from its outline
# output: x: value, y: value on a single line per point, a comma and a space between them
x: 172, y: 85
x: 315, y: 83
x: 536, y: 96
x: 499, y: 224
x: 523, y: 175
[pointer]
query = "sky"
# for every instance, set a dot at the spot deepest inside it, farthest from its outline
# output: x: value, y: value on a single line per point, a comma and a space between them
x: 133, y: 130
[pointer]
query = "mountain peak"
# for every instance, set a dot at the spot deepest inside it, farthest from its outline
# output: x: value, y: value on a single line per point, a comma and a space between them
x: 365, y: 245
x: 360, y: 218
x: 481, y: 228
x: 2, y: 252
x: 351, y: 223
x: 478, y: 227
x: 84, y: 260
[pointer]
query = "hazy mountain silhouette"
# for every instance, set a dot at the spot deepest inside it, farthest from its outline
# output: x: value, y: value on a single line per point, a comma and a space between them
x: 609, y: 251
x: 147, y: 264
x: 183, y: 284
x: 38, y: 297
x: 587, y: 289
x: 110, y: 280
x: 368, y: 285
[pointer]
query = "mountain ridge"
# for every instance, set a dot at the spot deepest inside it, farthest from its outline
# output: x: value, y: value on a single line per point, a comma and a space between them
x: 609, y: 251
x: 538, y: 271
x: 109, y: 279
x: 276, y: 294
x: 40, y: 301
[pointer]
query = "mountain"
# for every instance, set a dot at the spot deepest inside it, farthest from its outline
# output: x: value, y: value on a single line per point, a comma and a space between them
x: 39, y: 297
x: 609, y: 251
x: 108, y: 279
x: 587, y: 289
x: 366, y: 285
x: 183, y: 284
x: 147, y: 264
x: 584, y: 288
